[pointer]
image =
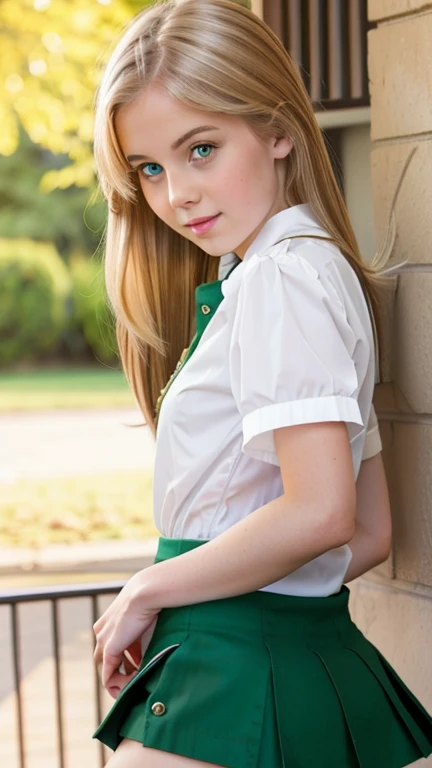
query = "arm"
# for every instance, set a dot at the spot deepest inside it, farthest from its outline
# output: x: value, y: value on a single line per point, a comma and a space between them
x: 371, y: 542
x: 315, y: 513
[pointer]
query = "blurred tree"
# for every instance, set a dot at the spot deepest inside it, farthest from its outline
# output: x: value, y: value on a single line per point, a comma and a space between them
x: 93, y: 322
x: 51, y: 52
x: 63, y: 217
x: 34, y: 290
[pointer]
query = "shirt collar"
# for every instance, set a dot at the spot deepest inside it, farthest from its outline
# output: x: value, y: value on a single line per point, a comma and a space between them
x: 226, y: 262
x: 297, y: 220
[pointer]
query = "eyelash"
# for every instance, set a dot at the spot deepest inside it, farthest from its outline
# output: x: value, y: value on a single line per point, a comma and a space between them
x: 140, y: 168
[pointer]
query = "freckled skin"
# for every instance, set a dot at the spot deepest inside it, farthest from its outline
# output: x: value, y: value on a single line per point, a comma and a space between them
x: 241, y: 179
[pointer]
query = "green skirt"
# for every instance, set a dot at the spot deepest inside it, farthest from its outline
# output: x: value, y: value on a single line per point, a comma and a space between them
x: 264, y: 680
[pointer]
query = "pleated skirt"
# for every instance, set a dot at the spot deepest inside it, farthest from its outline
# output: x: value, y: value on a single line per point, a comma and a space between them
x: 265, y: 680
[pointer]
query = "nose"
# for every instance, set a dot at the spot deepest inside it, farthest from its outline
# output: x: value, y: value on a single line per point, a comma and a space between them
x: 182, y: 190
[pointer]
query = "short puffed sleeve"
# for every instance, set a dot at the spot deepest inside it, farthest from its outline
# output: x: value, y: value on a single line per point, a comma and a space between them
x: 291, y: 352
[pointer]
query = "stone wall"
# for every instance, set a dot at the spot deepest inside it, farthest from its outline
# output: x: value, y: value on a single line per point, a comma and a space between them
x: 393, y: 604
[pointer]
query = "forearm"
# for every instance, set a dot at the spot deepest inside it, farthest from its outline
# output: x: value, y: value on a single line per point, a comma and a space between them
x: 267, y: 545
x: 367, y: 552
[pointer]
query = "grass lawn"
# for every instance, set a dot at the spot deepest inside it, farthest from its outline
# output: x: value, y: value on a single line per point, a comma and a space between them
x: 48, y: 389
x: 35, y: 513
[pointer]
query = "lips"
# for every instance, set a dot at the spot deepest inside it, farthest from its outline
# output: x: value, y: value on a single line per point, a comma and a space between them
x: 193, y: 222
x: 203, y: 225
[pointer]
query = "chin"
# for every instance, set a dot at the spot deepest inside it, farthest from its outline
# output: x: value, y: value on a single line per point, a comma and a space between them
x: 217, y: 250
x: 211, y: 251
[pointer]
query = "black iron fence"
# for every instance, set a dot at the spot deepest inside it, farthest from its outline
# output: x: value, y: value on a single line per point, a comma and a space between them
x: 13, y: 601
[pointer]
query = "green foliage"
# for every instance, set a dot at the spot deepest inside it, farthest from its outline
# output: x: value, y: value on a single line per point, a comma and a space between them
x: 34, y: 285
x: 50, y: 59
x: 92, y: 315
x: 65, y: 217
x: 43, y: 303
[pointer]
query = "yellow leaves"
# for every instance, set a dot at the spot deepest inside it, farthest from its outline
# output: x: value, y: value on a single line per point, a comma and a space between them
x: 81, y: 174
x: 38, y: 133
x: 37, y: 67
x: 9, y: 131
x: 50, y: 66
x: 52, y: 42
x: 83, y: 20
x: 85, y: 127
x: 14, y: 83
x: 41, y: 5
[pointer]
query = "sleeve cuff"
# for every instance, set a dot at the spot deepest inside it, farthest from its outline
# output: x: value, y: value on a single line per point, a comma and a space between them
x: 258, y: 426
x: 373, y: 444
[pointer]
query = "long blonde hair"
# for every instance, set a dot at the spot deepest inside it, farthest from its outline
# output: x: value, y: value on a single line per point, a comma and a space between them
x: 217, y: 56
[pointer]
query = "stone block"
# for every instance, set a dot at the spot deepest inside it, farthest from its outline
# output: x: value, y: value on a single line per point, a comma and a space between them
x: 406, y: 361
x: 388, y: 400
x: 386, y: 319
x: 413, y: 340
x: 385, y: 570
x: 400, y: 76
x: 410, y: 481
x: 413, y: 218
x: 386, y: 9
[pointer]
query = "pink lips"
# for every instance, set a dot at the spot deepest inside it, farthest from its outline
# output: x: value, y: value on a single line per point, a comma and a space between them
x: 200, y: 227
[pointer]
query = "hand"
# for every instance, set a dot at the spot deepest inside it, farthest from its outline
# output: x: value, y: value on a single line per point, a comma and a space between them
x: 118, y: 634
x: 124, y: 674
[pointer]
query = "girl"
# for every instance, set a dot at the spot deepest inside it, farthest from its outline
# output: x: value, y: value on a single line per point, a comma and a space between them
x: 269, y: 490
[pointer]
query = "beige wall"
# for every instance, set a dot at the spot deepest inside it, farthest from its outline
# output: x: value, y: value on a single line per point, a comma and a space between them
x: 355, y: 158
x: 393, y: 605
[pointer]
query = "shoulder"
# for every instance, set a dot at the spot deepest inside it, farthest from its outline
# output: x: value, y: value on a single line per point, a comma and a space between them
x: 301, y: 266
x: 294, y: 354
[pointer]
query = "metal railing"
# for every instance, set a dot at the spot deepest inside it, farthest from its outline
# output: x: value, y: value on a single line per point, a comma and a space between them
x: 54, y: 596
x: 328, y: 41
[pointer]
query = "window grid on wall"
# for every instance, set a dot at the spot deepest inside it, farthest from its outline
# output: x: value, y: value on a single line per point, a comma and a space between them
x: 328, y: 41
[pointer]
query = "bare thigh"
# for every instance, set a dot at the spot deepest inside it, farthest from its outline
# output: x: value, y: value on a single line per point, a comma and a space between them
x: 132, y: 754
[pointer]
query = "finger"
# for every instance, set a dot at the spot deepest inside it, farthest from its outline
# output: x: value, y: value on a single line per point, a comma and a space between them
x: 110, y: 665
x: 117, y: 682
x: 98, y: 654
x: 98, y: 625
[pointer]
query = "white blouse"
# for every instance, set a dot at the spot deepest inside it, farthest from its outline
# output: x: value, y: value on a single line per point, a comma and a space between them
x: 290, y: 342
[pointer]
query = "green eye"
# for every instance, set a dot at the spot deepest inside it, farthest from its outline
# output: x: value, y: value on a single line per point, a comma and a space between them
x: 204, y: 150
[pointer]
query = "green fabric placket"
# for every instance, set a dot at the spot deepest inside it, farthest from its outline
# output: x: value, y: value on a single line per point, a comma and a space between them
x: 208, y: 296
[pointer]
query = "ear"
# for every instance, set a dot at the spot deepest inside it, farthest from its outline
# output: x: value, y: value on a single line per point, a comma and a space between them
x: 281, y: 147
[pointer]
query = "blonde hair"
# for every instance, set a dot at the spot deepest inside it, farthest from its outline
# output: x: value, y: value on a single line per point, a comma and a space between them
x: 217, y: 56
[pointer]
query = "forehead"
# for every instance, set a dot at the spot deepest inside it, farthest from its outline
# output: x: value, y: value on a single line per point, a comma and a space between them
x: 154, y: 120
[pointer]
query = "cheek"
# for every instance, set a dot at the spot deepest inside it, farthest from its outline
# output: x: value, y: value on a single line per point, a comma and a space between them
x: 255, y: 171
x: 236, y: 183
x: 154, y: 197
x: 251, y: 185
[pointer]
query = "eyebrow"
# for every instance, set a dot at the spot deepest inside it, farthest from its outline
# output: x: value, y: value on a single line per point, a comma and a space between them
x: 178, y: 142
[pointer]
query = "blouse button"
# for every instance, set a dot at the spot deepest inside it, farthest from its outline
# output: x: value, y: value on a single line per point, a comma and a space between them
x: 205, y: 309
x: 158, y: 708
